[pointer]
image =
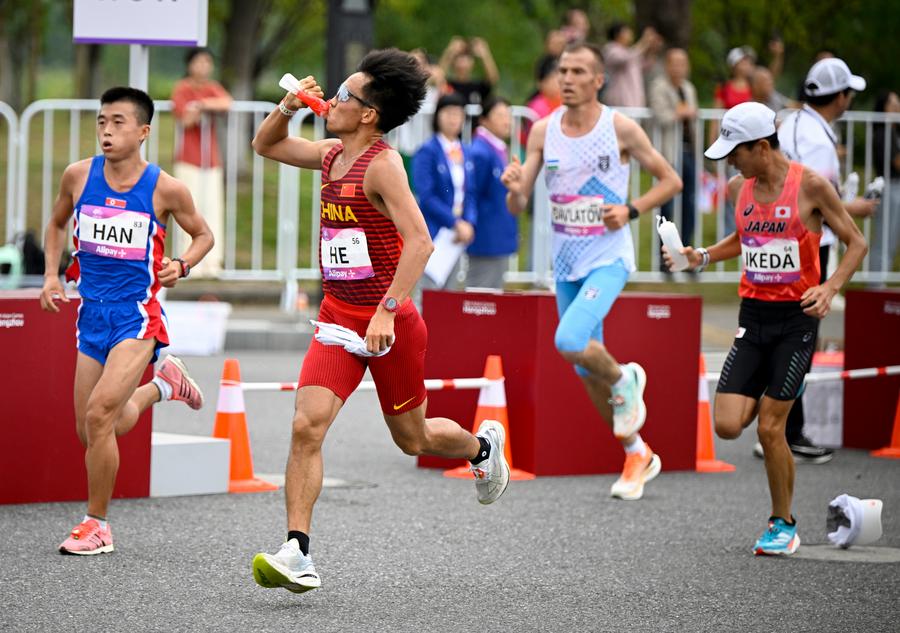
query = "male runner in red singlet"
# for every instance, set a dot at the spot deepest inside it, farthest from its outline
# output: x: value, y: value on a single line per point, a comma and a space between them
x: 779, y: 207
x: 374, y: 246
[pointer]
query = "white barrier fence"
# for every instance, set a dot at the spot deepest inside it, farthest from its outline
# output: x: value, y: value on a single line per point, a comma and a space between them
x: 431, y: 384
x: 272, y: 210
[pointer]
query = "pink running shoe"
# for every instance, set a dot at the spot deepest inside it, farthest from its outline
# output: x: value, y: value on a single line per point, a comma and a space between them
x: 173, y: 371
x: 87, y: 539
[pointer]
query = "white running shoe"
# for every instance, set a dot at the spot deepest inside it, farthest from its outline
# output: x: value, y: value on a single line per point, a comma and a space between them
x: 629, y: 410
x: 491, y: 474
x: 288, y: 568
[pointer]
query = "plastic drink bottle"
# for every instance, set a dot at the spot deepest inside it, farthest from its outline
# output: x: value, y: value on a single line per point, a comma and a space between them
x: 668, y: 233
x: 319, y: 106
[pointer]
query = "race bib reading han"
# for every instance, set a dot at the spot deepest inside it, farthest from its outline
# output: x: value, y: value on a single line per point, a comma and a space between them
x: 345, y: 254
x: 109, y: 232
x: 770, y: 260
x: 577, y: 215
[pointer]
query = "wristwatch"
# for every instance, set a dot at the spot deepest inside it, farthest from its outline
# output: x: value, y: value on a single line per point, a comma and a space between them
x: 185, y: 267
x: 633, y: 213
x: 390, y: 304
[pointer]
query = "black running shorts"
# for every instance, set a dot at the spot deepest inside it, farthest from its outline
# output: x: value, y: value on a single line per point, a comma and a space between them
x: 772, y: 350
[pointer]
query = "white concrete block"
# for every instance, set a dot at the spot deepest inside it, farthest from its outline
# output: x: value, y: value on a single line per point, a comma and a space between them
x: 188, y: 465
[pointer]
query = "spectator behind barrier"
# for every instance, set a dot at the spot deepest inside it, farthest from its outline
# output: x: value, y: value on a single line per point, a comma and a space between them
x: 673, y: 100
x: 762, y: 89
x: 886, y: 102
x: 625, y: 65
x: 497, y: 230
x: 548, y: 96
x: 197, y: 161
x: 443, y: 175
x: 458, y: 61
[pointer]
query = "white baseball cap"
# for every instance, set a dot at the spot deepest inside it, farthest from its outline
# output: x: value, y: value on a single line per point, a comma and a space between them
x: 738, y: 53
x: 744, y: 122
x: 853, y: 521
x: 831, y: 75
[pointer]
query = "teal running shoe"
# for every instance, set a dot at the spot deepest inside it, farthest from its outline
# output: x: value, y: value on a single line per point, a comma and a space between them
x: 629, y: 410
x: 780, y: 539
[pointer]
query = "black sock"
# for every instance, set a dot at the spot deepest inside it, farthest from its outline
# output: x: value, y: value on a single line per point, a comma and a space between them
x: 302, y: 538
x: 483, y: 453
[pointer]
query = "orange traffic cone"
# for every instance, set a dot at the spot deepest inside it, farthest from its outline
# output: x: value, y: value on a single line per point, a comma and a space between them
x: 893, y: 450
x: 706, y: 449
x: 492, y: 406
x: 231, y: 424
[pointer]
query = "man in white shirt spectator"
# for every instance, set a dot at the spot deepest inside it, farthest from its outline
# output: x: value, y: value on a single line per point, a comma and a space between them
x: 806, y: 136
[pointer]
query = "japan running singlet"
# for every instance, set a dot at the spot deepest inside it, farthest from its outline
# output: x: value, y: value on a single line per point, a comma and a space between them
x: 359, y: 247
x: 584, y: 174
x: 780, y: 255
x: 119, y: 243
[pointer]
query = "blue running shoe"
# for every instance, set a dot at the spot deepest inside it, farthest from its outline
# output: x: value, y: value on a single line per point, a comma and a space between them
x: 780, y: 539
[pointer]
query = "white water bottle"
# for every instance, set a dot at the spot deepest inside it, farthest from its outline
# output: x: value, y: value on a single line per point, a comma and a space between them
x: 668, y: 233
x: 851, y: 187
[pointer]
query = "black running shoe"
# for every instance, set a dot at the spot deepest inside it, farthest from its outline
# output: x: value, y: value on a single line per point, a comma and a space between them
x: 806, y: 452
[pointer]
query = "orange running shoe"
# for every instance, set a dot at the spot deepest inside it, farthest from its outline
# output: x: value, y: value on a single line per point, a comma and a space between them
x: 639, y: 469
x: 173, y: 371
x: 87, y: 539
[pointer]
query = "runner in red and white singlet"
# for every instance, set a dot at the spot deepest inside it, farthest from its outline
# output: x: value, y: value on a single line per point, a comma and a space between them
x: 780, y: 207
x: 373, y: 248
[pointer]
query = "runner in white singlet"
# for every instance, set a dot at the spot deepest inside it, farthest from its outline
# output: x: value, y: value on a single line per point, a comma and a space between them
x: 585, y: 148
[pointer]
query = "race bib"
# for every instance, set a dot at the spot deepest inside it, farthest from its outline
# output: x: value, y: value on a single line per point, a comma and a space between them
x: 345, y: 254
x: 577, y: 215
x: 116, y: 233
x: 770, y: 260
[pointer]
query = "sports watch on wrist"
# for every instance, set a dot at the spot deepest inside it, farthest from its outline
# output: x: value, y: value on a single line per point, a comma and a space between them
x: 633, y: 212
x: 390, y: 304
x: 185, y: 267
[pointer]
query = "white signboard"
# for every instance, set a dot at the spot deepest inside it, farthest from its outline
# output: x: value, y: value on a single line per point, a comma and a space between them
x: 148, y: 22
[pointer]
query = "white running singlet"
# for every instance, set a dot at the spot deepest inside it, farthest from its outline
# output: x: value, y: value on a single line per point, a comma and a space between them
x: 584, y: 174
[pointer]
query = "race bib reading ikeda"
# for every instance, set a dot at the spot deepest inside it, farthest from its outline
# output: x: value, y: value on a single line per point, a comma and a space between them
x: 345, y: 254
x: 770, y: 260
x: 110, y: 232
x: 577, y: 215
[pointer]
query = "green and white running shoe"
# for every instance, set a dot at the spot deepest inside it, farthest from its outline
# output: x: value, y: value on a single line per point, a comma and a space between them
x: 288, y: 568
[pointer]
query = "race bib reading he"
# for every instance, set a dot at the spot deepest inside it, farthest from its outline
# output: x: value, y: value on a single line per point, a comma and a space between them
x: 345, y: 254
x: 109, y: 232
x: 770, y: 260
x: 577, y: 215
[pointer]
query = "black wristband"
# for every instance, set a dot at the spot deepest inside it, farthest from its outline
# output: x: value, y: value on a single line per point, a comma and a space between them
x: 185, y: 267
x: 633, y: 213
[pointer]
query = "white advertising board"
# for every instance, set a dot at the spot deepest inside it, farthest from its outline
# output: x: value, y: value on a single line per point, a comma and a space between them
x: 147, y: 22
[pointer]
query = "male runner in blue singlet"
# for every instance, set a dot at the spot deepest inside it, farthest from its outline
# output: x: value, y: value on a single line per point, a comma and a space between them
x: 121, y: 205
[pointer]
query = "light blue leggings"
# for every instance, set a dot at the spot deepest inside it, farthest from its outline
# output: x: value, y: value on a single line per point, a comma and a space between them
x: 583, y: 305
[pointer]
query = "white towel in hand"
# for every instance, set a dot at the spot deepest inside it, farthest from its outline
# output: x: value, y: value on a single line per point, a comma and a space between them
x: 333, y: 334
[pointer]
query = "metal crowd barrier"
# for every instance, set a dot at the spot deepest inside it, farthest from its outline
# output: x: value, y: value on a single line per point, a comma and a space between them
x: 284, y: 208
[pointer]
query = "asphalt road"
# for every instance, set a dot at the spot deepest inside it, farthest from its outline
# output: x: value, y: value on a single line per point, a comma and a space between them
x: 402, y: 549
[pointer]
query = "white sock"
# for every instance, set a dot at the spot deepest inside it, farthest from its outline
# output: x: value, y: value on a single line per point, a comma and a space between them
x: 637, y: 446
x: 88, y: 517
x: 623, y: 379
x: 165, y: 389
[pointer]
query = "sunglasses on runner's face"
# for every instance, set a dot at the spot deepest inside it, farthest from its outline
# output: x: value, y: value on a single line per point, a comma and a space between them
x: 344, y: 94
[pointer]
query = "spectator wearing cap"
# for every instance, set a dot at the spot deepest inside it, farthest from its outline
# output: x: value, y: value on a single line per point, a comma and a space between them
x: 497, y: 230
x: 625, y: 62
x: 741, y: 63
x: 673, y: 100
x: 807, y: 137
x: 443, y: 176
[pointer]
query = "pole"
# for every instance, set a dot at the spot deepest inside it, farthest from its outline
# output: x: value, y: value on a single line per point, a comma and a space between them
x: 139, y: 66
